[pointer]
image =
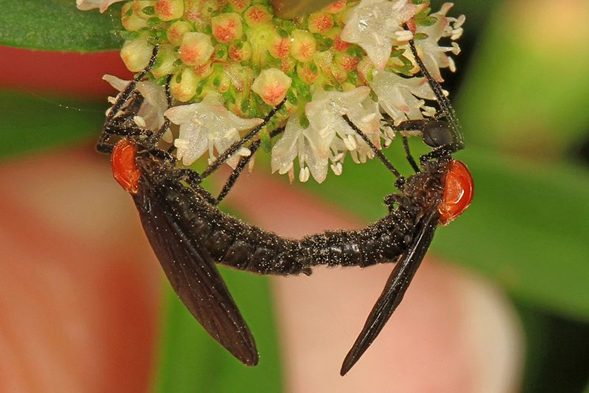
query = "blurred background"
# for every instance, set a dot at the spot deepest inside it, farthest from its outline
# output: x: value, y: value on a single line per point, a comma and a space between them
x: 500, y: 305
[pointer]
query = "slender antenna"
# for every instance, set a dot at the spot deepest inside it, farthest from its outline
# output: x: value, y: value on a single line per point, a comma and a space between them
x: 374, y: 149
x: 234, y: 147
x: 443, y: 101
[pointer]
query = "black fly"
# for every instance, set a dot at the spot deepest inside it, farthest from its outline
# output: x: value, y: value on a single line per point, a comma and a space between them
x: 189, y: 234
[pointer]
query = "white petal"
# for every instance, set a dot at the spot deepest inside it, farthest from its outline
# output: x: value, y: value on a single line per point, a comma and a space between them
x: 285, y: 150
x: 117, y: 83
x: 182, y: 113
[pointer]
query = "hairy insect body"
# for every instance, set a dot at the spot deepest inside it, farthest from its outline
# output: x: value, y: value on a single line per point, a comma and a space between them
x: 234, y: 243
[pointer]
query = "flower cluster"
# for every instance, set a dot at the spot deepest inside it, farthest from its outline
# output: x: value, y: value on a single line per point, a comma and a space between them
x: 231, y: 61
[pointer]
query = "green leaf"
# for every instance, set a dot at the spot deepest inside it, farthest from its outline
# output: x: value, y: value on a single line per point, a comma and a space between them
x: 191, y: 361
x: 58, y: 25
x: 526, y: 228
x: 32, y: 122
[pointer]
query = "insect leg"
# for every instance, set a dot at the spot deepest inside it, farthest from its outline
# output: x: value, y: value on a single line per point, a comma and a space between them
x: 243, y: 161
x: 394, y: 290
x: 126, y: 93
x: 374, y: 149
x: 104, y: 145
x: 193, y: 179
x: 442, y: 151
x: 443, y: 101
x: 408, y: 154
x: 234, y: 147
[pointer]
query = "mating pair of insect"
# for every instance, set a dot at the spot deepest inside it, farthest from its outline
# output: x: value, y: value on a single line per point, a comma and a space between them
x: 189, y: 234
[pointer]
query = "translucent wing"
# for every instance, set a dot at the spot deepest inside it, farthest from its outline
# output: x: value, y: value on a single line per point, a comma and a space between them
x: 192, y: 272
x: 394, y: 289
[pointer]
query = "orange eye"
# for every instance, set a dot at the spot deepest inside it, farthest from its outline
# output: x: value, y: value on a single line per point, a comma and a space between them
x: 124, y: 168
x: 458, y: 192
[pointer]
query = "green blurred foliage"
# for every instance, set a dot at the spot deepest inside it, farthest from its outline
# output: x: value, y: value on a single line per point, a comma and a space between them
x: 33, y: 122
x: 191, y: 361
x: 39, y: 24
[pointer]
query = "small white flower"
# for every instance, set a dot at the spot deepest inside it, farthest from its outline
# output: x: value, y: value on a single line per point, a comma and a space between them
x: 151, y: 112
x: 102, y: 5
x: 329, y: 137
x: 308, y: 144
x: 400, y: 97
x: 208, y: 126
x: 375, y: 25
x: 434, y: 56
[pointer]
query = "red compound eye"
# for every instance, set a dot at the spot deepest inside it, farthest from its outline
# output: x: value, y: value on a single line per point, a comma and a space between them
x: 458, y: 192
x: 124, y: 168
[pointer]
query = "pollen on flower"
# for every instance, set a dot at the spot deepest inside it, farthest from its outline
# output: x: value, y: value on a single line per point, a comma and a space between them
x: 228, y: 61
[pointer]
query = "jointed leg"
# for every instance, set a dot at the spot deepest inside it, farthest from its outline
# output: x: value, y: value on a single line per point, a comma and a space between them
x: 375, y: 150
x: 443, y: 101
x: 126, y: 93
x: 408, y: 154
x: 243, y: 161
x: 234, y: 147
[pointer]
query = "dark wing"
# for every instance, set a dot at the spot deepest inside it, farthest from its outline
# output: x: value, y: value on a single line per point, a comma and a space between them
x: 193, y: 274
x: 394, y: 289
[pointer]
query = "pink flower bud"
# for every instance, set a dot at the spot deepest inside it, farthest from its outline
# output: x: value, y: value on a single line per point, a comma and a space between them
x: 177, y: 30
x: 239, y: 5
x: 165, y: 62
x: 348, y: 62
x: 130, y: 19
x: 272, y: 85
x: 196, y: 48
x: 308, y: 72
x: 203, y: 71
x: 303, y: 45
x: 320, y: 22
x: 136, y: 54
x: 257, y: 15
x: 280, y: 47
x: 227, y: 27
x: 240, y: 52
x: 169, y: 9
x: 183, y: 85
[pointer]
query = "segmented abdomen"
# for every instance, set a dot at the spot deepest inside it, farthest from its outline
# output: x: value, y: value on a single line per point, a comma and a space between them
x: 235, y: 243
